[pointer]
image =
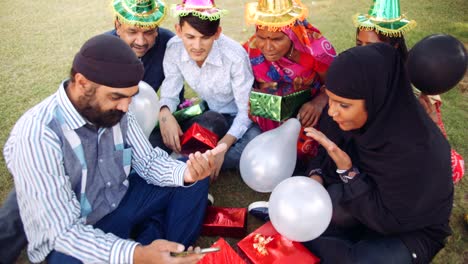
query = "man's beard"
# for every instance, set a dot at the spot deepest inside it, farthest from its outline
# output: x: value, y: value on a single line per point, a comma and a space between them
x: 90, y: 109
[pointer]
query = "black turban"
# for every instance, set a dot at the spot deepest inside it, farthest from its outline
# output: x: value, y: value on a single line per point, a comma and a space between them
x: 107, y: 60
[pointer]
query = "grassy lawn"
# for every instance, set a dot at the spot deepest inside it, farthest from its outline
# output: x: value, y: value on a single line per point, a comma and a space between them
x: 40, y: 38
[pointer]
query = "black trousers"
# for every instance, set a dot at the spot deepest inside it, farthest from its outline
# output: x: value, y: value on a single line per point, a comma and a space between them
x: 347, y: 241
x: 12, y: 236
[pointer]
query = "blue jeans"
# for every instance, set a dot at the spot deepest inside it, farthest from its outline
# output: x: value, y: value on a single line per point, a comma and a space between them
x: 346, y: 241
x: 232, y: 157
x: 149, y: 212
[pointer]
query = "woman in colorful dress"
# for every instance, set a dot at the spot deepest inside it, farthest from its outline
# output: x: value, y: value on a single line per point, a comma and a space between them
x: 289, y: 55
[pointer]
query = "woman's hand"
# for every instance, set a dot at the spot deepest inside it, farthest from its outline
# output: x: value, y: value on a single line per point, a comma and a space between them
x: 342, y: 160
x: 310, y: 112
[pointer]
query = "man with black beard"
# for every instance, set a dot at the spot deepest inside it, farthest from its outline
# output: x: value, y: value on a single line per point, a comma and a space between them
x: 89, y: 185
x: 137, y: 25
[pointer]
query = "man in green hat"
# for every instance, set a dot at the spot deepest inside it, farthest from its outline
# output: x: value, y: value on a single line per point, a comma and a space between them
x: 137, y: 23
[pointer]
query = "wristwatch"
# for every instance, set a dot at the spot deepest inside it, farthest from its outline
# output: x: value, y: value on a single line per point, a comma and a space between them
x: 349, y: 174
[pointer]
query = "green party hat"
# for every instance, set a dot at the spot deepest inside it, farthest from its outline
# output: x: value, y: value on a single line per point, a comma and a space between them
x: 384, y: 17
x: 141, y: 13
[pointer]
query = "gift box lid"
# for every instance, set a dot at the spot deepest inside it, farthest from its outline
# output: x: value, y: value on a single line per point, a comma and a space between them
x: 198, y: 138
x: 226, y: 255
x: 265, y: 245
x: 225, y: 221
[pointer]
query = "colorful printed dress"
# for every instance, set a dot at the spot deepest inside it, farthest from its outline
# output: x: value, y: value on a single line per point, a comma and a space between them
x: 458, y: 164
x: 285, y: 76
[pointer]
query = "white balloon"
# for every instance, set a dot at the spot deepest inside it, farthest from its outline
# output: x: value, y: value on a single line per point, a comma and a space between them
x: 145, y: 107
x: 300, y: 208
x: 270, y: 157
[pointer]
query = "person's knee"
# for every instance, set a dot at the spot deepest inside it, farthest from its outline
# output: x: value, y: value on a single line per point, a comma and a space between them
x: 252, y: 132
x: 213, y: 121
x: 385, y: 250
x: 201, y: 187
x: 236, y: 150
x: 341, y: 217
x: 204, y: 184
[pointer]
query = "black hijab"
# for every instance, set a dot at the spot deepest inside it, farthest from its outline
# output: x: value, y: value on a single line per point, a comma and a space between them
x: 401, y: 151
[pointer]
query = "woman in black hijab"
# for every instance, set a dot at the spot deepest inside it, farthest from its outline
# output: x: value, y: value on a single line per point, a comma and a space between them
x: 388, y: 165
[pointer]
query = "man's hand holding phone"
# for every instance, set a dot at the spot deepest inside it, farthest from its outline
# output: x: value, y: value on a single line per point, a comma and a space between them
x: 161, y: 252
x: 196, y: 251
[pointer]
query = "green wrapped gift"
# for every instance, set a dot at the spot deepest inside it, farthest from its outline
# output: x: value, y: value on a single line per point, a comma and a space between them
x: 189, y: 112
x: 275, y: 107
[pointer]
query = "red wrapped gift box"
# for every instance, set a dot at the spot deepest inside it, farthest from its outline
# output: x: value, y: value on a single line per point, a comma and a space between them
x: 265, y: 245
x: 226, y: 255
x: 225, y: 221
x: 198, y: 138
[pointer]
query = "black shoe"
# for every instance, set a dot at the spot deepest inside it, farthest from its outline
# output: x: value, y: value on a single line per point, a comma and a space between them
x: 259, y: 210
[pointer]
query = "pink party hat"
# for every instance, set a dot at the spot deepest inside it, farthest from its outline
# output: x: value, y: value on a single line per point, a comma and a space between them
x: 204, y: 9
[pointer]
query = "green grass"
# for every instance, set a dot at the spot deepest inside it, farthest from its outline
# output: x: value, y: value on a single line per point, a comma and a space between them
x: 39, y: 39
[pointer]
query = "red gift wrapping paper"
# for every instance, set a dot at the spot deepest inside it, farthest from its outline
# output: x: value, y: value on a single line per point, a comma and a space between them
x: 225, y: 222
x: 198, y: 138
x: 226, y: 255
x: 306, y: 146
x: 266, y: 246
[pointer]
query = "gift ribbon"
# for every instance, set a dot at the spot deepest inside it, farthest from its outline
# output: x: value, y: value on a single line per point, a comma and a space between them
x: 260, y: 243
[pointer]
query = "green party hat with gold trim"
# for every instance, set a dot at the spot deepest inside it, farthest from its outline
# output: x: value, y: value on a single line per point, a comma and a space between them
x: 140, y: 13
x: 384, y: 17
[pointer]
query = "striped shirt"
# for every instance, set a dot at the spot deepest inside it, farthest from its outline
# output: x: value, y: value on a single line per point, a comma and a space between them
x: 49, y: 207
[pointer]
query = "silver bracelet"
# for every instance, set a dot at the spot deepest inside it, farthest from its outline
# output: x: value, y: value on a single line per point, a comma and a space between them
x: 349, y: 174
x: 316, y: 172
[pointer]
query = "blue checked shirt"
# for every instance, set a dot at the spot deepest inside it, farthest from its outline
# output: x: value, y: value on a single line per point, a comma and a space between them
x: 47, y: 192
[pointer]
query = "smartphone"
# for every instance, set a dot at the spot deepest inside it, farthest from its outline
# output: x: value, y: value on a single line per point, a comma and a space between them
x: 202, y: 251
